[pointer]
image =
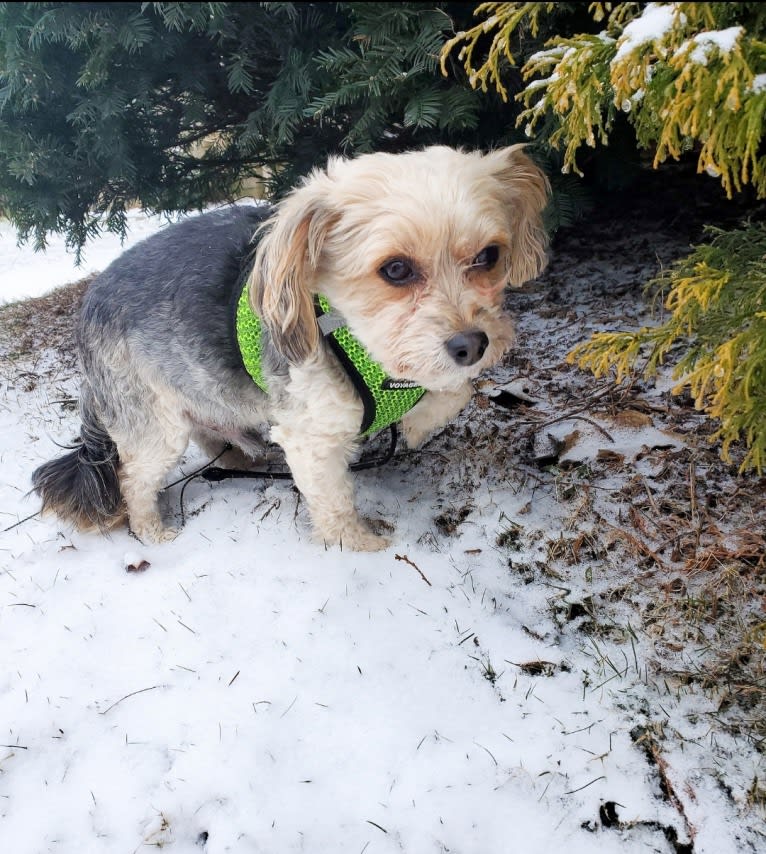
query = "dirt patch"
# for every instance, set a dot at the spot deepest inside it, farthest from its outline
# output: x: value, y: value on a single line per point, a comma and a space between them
x: 29, y: 326
x: 669, y: 538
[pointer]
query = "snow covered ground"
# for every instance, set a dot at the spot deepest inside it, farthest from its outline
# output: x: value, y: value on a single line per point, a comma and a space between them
x: 244, y: 690
x: 26, y: 273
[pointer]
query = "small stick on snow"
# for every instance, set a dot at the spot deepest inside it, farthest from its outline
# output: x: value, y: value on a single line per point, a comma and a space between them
x: 414, y: 566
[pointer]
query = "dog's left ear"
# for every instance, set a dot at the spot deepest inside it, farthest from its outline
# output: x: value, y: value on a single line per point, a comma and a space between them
x: 526, y: 191
x: 286, y: 262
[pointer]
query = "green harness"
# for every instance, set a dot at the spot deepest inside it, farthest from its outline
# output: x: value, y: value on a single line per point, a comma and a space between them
x: 385, y: 400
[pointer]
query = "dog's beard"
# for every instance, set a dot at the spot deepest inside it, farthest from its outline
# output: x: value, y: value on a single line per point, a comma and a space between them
x: 414, y: 346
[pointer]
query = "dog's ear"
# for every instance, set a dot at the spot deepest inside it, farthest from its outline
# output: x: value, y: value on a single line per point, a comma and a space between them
x: 526, y: 191
x: 286, y: 261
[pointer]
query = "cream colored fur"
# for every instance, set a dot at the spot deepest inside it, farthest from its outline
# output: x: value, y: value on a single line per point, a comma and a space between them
x: 437, y: 208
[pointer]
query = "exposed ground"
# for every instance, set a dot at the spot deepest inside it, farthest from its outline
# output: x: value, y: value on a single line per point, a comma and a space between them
x: 660, y: 569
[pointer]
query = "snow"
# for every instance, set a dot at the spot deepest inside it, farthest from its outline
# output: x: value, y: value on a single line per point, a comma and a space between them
x: 651, y: 26
x: 26, y: 273
x: 706, y: 43
x: 242, y: 689
x: 655, y: 22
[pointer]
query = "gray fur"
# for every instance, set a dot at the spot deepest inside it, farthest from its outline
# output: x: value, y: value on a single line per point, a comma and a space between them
x: 155, y: 334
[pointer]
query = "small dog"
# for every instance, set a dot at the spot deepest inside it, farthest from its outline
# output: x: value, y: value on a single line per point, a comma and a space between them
x: 410, y: 253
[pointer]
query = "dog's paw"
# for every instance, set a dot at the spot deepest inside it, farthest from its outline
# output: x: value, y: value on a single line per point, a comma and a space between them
x: 167, y: 535
x: 355, y: 537
x: 366, y: 541
x: 154, y: 532
x: 433, y: 413
x: 415, y: 435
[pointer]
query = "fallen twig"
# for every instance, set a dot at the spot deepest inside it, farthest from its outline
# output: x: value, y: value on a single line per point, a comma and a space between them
x: 21, y: 521
x: 414, y: 566
x: 602, y: 777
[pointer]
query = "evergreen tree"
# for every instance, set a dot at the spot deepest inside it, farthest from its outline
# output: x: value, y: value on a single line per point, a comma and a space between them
x: 170, y: 105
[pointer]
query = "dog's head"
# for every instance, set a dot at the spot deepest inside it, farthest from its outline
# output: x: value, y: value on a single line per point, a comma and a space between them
x: 414, y: 250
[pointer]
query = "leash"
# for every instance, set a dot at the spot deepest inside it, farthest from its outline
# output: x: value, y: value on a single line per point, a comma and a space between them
x: 215, y: 474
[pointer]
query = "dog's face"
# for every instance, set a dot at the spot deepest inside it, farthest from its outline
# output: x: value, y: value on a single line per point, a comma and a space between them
x: 414, y: 250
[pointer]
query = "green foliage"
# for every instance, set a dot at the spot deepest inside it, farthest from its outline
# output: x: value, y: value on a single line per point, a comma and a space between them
x: 105, y: 104
x: 717, y: 305
x: 397, y: 50
x: 172, y: 105
x: 377, y: 83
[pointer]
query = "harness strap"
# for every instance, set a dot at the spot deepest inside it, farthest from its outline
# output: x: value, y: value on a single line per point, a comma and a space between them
x: 385, y: 400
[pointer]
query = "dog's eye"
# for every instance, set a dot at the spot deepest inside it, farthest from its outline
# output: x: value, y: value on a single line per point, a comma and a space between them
x: 486, y: 259
x: 399, y: 271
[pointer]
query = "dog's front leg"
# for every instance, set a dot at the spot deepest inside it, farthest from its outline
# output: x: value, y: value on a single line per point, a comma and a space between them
x: 433, y: 411
x: 319, y: 465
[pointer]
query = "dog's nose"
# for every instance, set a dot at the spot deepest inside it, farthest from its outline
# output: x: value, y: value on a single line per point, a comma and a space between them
x: 466, y: 348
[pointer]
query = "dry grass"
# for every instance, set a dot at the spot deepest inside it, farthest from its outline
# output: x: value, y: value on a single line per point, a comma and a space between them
x: 29, y: 326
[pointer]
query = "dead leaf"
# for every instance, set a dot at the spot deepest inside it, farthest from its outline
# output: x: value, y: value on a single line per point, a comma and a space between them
x: 633, y: 419
x: 604, y: 455
x: 569, y: 442
x: 138, y: 566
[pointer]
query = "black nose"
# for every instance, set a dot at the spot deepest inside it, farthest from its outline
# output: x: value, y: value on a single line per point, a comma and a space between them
x: 466, y: 348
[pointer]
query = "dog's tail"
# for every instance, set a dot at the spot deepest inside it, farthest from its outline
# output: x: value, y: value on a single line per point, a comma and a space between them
x: 83, y: 486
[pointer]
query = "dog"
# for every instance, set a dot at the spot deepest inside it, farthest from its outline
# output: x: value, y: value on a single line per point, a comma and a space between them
x: 409, y: 256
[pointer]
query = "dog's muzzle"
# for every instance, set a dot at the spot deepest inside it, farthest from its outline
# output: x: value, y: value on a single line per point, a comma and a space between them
x: 466, y: 348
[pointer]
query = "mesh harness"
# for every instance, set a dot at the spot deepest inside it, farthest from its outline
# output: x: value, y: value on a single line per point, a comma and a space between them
x: 385, y: 400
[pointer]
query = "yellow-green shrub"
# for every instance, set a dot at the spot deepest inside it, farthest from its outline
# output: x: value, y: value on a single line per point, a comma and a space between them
x: 690, y: 77
x: 717, y: 305
x: 700, y: 81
